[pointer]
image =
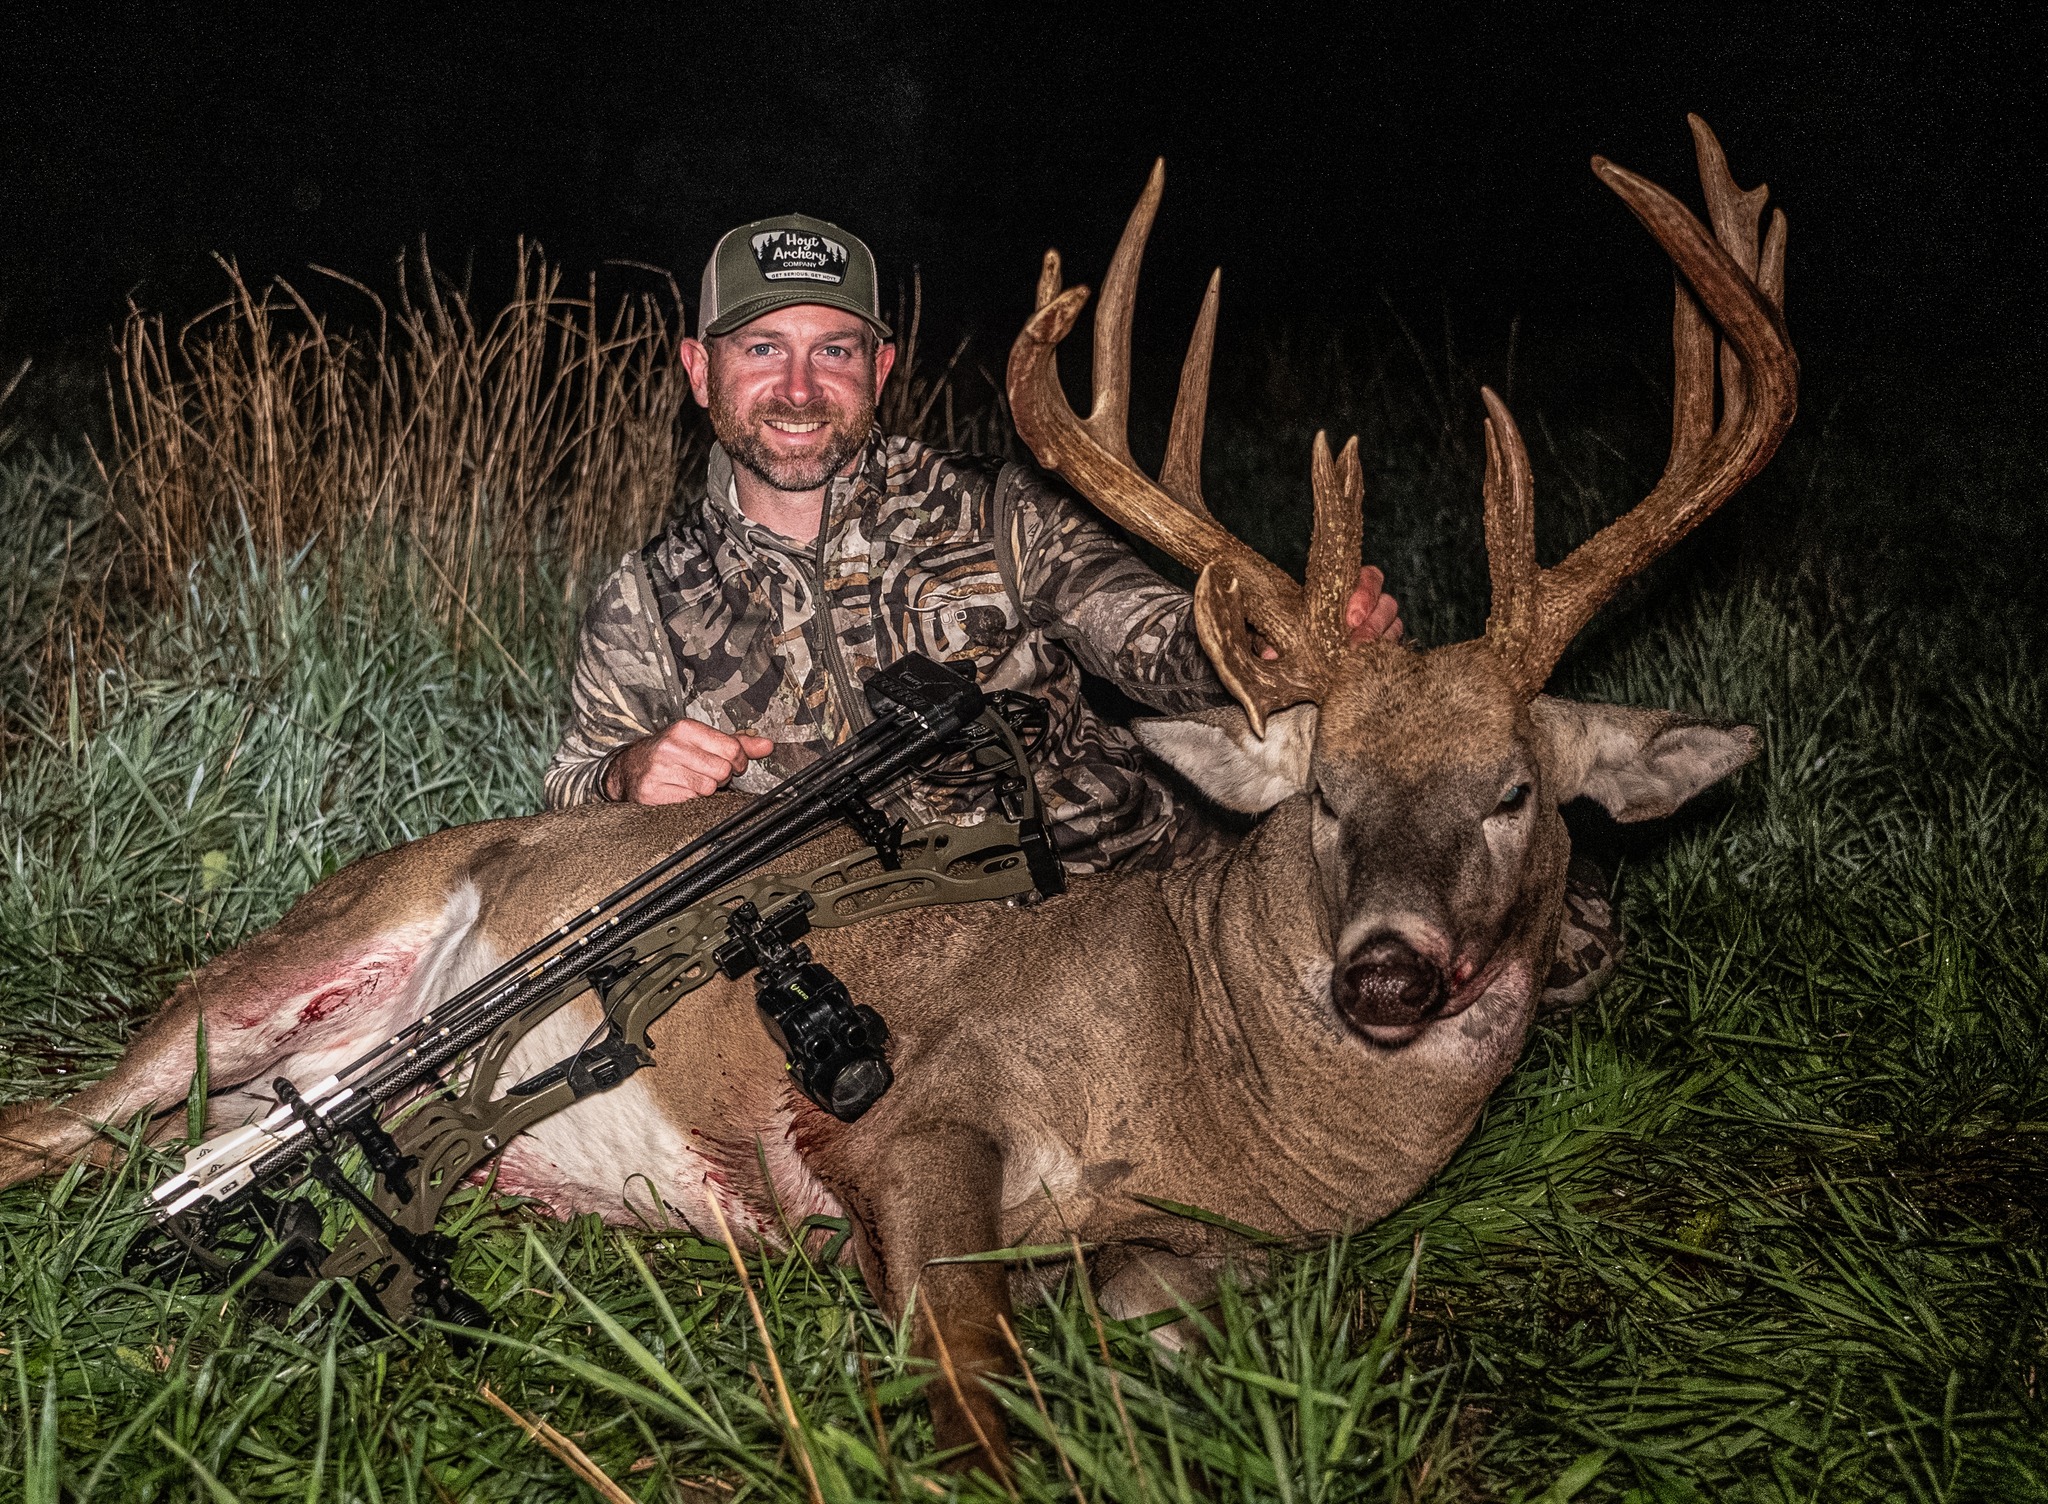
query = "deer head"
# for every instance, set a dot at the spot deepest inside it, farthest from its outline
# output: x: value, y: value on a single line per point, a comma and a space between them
x: 1432, y: 779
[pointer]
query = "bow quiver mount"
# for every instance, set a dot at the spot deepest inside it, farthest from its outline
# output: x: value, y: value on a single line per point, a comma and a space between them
x: 421, y: 1128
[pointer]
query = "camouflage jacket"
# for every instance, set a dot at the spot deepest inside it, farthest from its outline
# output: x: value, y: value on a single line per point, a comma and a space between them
x: 969, y: 562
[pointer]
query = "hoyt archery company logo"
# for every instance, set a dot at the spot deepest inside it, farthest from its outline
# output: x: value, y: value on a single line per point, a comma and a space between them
x: 793, y: 256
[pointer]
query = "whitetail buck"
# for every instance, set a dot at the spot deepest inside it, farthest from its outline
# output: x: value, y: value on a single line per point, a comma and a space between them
x: 1295, y: 1034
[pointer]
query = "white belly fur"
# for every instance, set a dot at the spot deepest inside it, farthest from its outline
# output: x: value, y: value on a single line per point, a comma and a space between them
x: 617, y: 1154
x: 614, y: 1153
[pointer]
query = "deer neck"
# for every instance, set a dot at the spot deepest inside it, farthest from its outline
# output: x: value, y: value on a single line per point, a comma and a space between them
x: 1362, y: 1126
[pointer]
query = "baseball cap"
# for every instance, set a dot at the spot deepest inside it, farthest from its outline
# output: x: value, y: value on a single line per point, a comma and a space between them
x: 792, y: 258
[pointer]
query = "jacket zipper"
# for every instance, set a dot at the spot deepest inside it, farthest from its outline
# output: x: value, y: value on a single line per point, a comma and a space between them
x: 824, y: 636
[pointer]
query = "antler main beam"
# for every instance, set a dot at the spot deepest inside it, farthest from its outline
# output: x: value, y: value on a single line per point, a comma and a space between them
x: 1730, y: 351
x: 1726, y: 280
x: 1238, y: 589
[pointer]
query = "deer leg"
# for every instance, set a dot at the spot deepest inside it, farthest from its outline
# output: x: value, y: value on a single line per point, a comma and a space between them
x: 946, y: 1205
x: 1147, y: 1280
x: 287, y: 1002
x: 38, y: 1138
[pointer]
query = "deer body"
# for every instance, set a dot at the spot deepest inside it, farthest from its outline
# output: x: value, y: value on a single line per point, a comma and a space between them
x: 1294, y: 1034
x: 1056, y: 1075
x: 1098, y: 1062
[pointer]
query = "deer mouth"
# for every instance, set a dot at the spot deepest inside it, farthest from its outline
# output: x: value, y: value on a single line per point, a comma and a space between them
x: 1389, y: 986
x: 1390, y: 992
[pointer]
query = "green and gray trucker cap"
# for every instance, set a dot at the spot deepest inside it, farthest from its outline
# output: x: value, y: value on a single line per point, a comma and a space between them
x: 773, y: 263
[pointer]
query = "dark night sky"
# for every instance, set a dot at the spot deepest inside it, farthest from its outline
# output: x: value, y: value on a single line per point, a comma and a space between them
x: 1436, y: 154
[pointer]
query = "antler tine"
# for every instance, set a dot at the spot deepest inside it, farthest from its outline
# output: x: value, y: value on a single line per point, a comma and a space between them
x: 1510, y: 533
x: 1724, y: 282
x: 1733, y: 213
x: 1770, y: 277
x: 1734, y: 216
x: 1336, y: 547
x: 1692, y: 374
x: 1109, y: 417
x: 1064, y: 443
x: 1048, y: 280
x: 1237, y: 589
x: 1181, y: 474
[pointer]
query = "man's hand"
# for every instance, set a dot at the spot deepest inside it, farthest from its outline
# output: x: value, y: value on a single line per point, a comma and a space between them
x: 1371, y: 614
x: 686, y: 761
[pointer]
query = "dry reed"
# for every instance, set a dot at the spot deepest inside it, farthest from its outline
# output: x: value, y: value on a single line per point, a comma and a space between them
x: 7, y: 391
x: 933, y: 406
x: 464, y: 453
x: 471, y: 458
x: 434, y: 459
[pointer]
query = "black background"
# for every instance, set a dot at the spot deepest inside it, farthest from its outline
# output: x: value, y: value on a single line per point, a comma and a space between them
x: 1431, y: 157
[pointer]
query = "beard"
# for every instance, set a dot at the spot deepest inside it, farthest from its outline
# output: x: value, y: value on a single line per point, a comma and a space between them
x: 846, y: 430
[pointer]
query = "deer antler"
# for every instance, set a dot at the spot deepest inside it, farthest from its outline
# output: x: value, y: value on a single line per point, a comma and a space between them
x: 1724, y: 277
x: 1236, y: 586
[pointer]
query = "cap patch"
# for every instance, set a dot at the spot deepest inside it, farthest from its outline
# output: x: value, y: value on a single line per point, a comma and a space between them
x: 798, y: 256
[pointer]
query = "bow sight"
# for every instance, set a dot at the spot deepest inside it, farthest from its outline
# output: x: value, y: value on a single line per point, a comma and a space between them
x: 425, y: 1108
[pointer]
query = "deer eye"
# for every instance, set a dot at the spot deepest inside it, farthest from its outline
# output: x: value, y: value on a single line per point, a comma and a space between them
x: 1516, y: 796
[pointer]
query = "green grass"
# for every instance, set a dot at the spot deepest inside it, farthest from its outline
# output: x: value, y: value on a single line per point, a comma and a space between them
x: 1765, y: 1222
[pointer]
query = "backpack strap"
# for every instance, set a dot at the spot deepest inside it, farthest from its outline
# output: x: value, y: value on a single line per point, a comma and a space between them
x: 1003, y: 516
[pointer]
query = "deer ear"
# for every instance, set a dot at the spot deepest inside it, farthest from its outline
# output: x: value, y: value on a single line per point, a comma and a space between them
x: 1216, y: 752
x: 1637, y: 764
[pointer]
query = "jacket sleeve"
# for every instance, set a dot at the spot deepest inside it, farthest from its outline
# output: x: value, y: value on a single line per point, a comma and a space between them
x: 1080, y: 584
x: 624, y: 686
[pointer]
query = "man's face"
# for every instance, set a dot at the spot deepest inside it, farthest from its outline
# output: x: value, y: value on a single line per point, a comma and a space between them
x: 792, y: 395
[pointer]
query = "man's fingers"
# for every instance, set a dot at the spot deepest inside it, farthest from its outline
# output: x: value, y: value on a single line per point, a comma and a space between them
x: 687, y: 760
x: 657, y: 789
x: 1371, y: 580
x: 669, y: 784
x: 1385, y: 611
x: 1365, y: 595
x: 734, y: 751
x: 695, y: 734
x: 700, y: 762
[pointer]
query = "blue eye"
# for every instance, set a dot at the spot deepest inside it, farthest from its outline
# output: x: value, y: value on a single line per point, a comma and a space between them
x: 1512, y: 800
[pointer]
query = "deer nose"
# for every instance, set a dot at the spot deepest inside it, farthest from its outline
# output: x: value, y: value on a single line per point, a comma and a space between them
x: 1389, y: 984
